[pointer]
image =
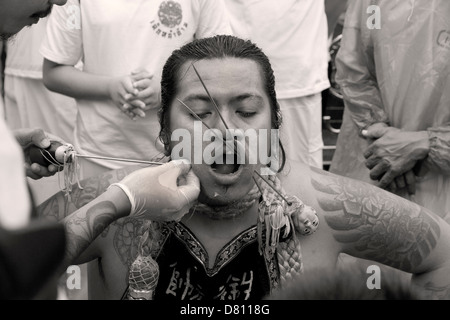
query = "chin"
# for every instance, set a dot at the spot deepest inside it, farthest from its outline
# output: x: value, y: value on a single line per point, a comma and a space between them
x: 223, y: 189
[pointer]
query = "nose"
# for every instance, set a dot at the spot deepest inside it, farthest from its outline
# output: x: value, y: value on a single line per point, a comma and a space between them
x: 58, y: 2
x: 232, y: 135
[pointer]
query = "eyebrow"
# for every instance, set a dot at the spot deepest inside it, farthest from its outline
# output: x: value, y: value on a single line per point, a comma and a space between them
x: 239, y: 98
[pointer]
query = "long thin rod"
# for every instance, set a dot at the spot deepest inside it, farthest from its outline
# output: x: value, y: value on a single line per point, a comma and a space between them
x: 210, y: 97
x: 118, y: 159
x: 270, y: 185
x: 194, y: 114
x: 204, y: 123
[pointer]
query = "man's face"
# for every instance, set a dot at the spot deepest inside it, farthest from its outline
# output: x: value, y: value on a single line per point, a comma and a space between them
x: 16, y: 14
x: 237, y: 88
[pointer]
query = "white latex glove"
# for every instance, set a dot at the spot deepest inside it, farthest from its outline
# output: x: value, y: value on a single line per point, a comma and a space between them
x: 163, y: 193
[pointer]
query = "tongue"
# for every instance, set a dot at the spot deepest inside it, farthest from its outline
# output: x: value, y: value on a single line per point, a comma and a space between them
x: 224, y: 168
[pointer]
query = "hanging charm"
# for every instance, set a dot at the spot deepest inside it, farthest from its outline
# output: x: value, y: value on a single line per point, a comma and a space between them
x: 144, y: 272
x: 280, y: 215
x: 304, y: 218
x: 272, y: 219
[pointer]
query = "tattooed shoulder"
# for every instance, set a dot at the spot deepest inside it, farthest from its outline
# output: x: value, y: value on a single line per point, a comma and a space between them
x: 375, y: 224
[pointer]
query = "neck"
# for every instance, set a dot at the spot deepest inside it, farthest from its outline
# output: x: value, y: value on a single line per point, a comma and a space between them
x: 204, y: 223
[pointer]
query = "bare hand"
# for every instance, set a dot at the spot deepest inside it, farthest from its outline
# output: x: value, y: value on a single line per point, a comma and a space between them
x: 149, y: 92
x: 393, y: 153
x: 405, y: 181
x: 36, y: 137
x: 124, y: 95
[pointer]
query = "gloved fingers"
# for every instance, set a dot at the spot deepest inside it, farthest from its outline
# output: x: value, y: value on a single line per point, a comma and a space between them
x: 181, y: 213
x: 183, y: 164
x: 191, y: 189
x: 168, y: 174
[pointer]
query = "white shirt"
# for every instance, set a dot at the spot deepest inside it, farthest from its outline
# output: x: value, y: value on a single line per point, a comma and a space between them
x: 293, y: 34
x: 114, y: 38
x: 23, y: 58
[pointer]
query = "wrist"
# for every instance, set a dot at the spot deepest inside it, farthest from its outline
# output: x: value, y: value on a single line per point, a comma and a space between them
x: 120, y: 199
x: 423, y: 144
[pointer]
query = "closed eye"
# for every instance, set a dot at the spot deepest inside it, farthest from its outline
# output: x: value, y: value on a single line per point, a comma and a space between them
x: 201, y: 115
x: 246, y: 114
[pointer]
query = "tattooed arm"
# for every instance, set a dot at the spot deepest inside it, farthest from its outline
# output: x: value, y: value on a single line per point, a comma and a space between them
x: 372, y: 224
x: 152, y: 193
x: 86, y: 212
x: 87, y: 223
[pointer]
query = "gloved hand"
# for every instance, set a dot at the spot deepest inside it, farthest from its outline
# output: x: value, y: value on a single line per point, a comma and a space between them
x: 36, y: 137
x: 163, y: 193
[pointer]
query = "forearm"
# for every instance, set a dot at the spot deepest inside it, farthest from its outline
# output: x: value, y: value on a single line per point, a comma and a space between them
x: 72, y: 82
x: 87, y: 223
x: 433, y: 285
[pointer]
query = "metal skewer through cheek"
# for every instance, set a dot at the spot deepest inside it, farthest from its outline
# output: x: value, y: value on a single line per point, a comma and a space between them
x: 226, y: 126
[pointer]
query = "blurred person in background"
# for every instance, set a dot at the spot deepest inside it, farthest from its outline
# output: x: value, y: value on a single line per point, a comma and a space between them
x: 393, y: 68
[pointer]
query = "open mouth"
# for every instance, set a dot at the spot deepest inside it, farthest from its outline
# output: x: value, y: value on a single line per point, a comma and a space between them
x: 228, y: 165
